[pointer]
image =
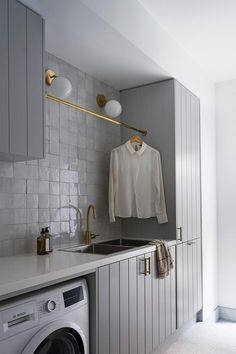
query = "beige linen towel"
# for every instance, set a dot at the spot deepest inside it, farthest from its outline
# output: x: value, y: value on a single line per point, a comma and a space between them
x: 163, y: 257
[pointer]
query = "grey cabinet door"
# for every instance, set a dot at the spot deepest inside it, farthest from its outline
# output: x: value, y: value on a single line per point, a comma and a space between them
x: 198, y: 171
x: 187, y: 163
x: 114, y: 300
x: 17, y: 78
x: 35, y: 84
x: 199, y: 273
x: 133, y: 305
x: 124, y: 307
x: 184, y: 163
x: 141, y: 305
x: 21, y: 87
x: 104, y: 310
x: 149, y: 306
x: 179, y: 169
x: 189, y: 300
x: 4, y: 62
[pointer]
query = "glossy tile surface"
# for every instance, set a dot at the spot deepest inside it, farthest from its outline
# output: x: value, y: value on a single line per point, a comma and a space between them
x: 35, y: 194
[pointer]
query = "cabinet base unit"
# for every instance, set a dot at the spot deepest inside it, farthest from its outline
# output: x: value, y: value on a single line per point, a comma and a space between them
x: 136, y: 310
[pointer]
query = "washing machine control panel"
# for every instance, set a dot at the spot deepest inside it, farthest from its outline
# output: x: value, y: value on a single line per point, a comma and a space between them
x: 49, y: 306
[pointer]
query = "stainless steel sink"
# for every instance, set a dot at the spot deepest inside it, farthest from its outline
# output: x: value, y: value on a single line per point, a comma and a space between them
x: 107, y: 247
x: 103, y: 248
x: 98, y: 248
x: 127, y: 242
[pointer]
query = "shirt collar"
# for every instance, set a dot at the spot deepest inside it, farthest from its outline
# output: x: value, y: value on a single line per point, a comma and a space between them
x: 132, y: 150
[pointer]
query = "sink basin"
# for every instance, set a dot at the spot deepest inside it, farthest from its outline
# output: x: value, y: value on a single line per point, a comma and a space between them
x: 98, y: 248
x: 108, y: 247
x: 127, y: 242
x: 103, y: 249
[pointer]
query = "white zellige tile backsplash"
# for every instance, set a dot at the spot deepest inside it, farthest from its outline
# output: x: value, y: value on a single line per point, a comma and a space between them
x: 35, y: 194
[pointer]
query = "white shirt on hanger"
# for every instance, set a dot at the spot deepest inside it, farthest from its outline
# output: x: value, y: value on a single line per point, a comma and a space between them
x: 136, y: 184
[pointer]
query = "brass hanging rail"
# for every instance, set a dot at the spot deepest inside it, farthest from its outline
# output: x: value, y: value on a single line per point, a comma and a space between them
x: 85, y: 110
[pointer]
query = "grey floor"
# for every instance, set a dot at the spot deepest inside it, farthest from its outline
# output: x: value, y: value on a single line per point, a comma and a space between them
x: 207, y: 338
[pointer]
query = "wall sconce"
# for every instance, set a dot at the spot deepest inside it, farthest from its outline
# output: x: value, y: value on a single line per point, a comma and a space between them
x: 112, y: 108
x: 60, y: 86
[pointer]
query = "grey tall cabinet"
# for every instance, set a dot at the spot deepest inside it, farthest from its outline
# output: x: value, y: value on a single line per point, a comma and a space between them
x: 22, y: 82
x: 171, y: 114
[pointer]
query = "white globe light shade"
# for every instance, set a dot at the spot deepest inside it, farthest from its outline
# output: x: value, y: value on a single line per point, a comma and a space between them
x: 113, y: 108
x: 61, y: 87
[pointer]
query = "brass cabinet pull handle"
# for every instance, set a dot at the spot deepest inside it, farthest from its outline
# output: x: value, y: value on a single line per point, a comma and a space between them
x: 147, y: 266
x: 180, y: 233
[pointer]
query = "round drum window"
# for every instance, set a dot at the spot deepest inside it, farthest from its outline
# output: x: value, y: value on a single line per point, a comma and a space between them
x: 62, y: 341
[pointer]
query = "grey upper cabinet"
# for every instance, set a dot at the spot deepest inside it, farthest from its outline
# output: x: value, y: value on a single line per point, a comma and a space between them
x: 136, y: 312
x: 21, y: 86
x: 187, y: 142
x: 171, y: 114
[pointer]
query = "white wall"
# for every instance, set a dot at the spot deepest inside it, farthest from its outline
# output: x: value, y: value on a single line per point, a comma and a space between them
x: 226, y: 190
x: 130, y: 19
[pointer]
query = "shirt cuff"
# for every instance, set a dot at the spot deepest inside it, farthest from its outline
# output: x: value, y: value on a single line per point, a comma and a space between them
x: 162, y: 218
x: 112, y: 218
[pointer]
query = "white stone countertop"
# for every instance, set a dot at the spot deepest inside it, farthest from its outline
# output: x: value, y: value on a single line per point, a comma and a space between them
x: 24, y: 273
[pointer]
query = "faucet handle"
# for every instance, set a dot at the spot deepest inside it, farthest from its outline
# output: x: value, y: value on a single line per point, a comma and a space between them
x: 94, y: 236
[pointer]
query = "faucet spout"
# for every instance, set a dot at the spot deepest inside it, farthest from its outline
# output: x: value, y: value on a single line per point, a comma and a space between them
x: 88, y: 234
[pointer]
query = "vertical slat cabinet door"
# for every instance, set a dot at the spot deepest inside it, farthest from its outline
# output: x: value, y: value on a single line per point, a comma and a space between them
x: 4, y: 132
x: 114, y: 308
x: 124, y: 310
x: 133, y: 305
x: 168, y: 305
x: 199, y: 273
x: 141, y: 305
x: 198, y: 171
x: 103, y: 310
x: 35, y: 86
x: 162, y: 312
x: 184, y: 162
x: 190, y: 279
x: 185, y: 282
x: 189, y: 165
x: 178, y: 157
x: 17, y: 78
x: 180, y: 286
x: 148, y: 305
x: 173, y: 290
x: 195, y: 277
x: 155, y: 302
x: 194, y: 172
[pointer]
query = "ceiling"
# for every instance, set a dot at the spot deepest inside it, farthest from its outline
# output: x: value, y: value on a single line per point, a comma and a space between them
x: 84, y: 33
x: 79, y: 36
x: 206, y: 29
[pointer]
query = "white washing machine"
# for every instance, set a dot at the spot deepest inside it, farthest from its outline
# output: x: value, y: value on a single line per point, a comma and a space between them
x: 52, y: 321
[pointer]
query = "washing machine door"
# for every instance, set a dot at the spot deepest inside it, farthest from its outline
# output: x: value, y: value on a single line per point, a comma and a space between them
x: 58, y: 338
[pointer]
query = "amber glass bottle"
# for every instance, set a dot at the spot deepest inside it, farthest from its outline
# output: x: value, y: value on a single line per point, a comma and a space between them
x: 42, y: 243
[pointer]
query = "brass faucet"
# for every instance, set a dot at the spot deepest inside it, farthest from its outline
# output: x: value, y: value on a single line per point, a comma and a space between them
x: 88, y: 235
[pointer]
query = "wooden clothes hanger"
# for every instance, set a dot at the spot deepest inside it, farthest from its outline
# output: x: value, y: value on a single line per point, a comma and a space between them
x: 136, y: 139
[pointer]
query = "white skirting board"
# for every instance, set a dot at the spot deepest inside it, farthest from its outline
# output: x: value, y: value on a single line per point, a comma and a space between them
x: 226, y: 314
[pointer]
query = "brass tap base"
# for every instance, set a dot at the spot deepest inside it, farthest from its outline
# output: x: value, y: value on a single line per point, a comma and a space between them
x: 87, y: 237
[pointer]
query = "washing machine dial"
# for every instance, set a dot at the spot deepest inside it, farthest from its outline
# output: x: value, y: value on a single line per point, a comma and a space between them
x: 50, y: 305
